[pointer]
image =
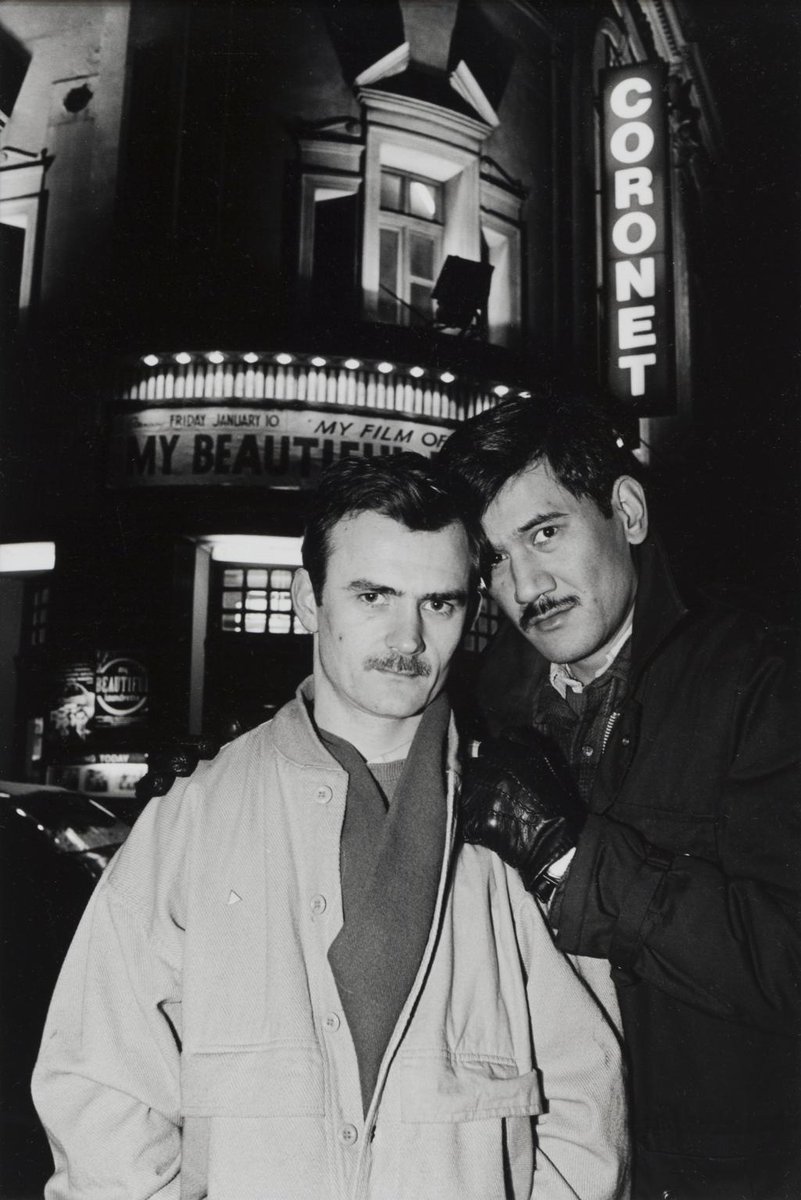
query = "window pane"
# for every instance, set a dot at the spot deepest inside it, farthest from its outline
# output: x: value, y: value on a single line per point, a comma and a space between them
x: 256, y: 603
x: 420, y: 299
x: 391, y: 191
x: 281, y: 579
x: 232, y: 578
x: 257, y: 579
x: 231, y: 622
x: 280, y: 623
x: 281, y: 602
x: 424, y: 200
x: 388, y: 274
x: 421, y: 256
x: 255, y: 622
x: 232, y: 600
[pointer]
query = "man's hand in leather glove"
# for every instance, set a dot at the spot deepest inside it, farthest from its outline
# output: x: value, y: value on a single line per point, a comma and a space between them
x: 166, y: 766
x: 519, y: 799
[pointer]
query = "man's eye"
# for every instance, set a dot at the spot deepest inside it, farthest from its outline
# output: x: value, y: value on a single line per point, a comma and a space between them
x: 442, y: 608
x: 496, y: 558
x: 372, y: 599
x: 544, y: 534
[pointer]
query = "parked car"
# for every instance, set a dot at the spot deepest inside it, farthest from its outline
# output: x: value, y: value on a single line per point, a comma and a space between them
x: 54, y: 845
x: 73, y: 823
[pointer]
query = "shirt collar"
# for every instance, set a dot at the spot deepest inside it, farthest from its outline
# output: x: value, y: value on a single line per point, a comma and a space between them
x: 563, y: 679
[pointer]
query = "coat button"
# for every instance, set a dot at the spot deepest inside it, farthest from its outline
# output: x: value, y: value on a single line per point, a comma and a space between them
x: 323, y: 794
x: 587, y: 751
x: 348, y: 1135
x: 332, y: 1022
x: 626, y: 741
x: 318, y: 905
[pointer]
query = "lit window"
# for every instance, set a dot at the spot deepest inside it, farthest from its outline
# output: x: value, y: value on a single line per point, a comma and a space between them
x: 330, y: 183
x: 21, y: 190
x: 256, y: 600
x: 38, y: 602
x: 416, y: 197
x: 428, y: 194
x: 409, y: 248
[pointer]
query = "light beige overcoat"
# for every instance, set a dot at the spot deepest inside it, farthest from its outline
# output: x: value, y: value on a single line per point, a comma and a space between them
x: 196, y: 1044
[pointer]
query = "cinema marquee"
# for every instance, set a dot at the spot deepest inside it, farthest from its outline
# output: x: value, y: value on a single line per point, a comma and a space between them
x: 636, y: 237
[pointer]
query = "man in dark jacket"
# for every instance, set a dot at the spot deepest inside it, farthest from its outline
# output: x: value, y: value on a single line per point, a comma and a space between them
x: 681, y: 727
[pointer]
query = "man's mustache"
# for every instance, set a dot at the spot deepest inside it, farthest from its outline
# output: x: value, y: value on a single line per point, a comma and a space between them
x: 543, y: 607
x: 401, y: 664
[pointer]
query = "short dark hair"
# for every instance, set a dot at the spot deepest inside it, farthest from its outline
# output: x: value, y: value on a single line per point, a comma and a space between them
x: 406, y: 487
x: 580, y: 437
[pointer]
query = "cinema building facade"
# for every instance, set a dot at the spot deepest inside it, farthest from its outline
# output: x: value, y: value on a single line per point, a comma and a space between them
x: 245, y: 241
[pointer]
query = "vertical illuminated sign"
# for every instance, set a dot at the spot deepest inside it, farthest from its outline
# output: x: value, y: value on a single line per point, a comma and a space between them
x: 636, y: 236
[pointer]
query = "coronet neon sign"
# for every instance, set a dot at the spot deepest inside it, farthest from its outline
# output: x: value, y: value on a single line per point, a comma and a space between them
x: 636, y: 233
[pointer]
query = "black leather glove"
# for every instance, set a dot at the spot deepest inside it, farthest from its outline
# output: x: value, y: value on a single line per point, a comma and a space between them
x: 519, y: 799
x: 178, y: 760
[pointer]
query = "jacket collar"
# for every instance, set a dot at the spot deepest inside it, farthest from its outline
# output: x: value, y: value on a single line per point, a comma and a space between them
x: 295, y: 736
x: 658, y: 607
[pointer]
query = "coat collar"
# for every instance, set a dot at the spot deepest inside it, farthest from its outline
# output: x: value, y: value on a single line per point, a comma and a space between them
x: 658, y: 607
x: 295, y: 736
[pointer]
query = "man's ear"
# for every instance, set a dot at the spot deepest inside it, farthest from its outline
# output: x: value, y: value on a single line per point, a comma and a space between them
x: 631, y: 509
x: 303, y: 600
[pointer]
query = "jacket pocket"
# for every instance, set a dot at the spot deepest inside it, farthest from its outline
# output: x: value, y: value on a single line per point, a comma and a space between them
x: 258, y: 1081
x: 454, y: 1088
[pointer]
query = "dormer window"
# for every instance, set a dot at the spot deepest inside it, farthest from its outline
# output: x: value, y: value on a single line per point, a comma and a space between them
x: 410, y: 247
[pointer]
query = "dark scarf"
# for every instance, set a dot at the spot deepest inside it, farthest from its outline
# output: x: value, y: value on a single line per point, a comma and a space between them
x: 390, y: 865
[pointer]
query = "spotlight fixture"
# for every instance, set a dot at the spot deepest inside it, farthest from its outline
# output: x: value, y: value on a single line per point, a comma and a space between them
x: 525, y: 395
x: 284, y: 359
x: 447, y: 377
x: 250, y: 357
x: 461, y: 292
x: 317, y: 361
x: 151, y: 360
x: 416, y: 372
x: 183, y: 358
x: 385, y: 367
x: 501, y: 390
x: 215, y: 356
x: 352, y: 364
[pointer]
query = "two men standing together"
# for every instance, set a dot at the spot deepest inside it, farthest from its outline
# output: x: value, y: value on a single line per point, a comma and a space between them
x: 296, y: 981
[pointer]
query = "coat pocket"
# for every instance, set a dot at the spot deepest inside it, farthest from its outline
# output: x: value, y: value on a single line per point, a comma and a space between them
x: 450, y: 1088
x: 258, y: 1081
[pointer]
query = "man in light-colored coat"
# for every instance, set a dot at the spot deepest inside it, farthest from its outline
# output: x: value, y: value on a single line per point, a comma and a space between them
x: 292, y: 983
